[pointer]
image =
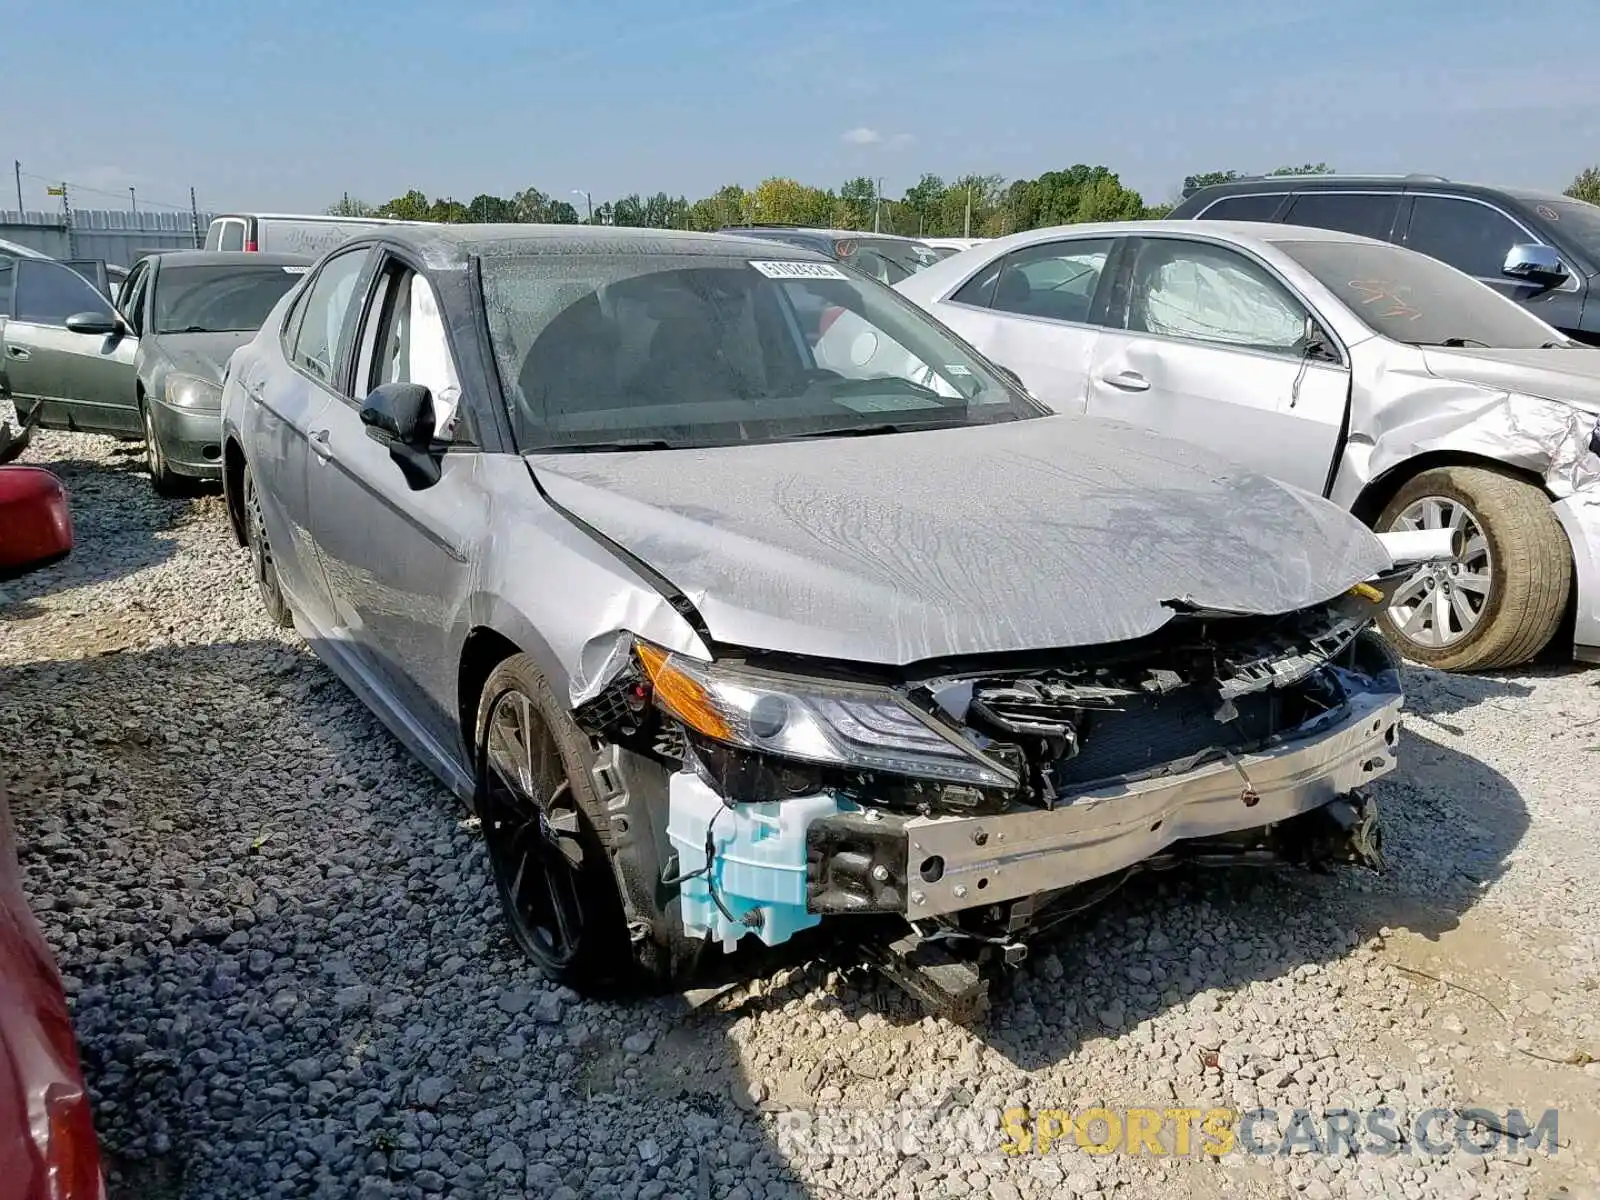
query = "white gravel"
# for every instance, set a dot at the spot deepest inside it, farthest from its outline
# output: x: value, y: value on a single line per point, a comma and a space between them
x: 290, y: 977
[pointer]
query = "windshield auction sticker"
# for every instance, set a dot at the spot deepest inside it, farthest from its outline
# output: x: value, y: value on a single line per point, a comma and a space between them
x: 797, y: 270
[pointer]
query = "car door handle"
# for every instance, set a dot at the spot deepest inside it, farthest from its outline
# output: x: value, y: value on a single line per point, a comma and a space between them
x: 1128, y: 381
x: 319, y: 443
x: 17, y: 352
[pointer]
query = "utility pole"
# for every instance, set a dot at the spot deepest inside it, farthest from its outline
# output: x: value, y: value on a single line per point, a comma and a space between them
x: 877, y: 207
x: 967, y: 228
x: 18, y: 165
x: 133, y: 201
x: 66, y: 207
x: 194, y: 218
x: 588, y: 199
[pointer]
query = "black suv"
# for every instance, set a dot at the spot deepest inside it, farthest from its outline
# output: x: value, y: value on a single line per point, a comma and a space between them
x: 1539, y: 249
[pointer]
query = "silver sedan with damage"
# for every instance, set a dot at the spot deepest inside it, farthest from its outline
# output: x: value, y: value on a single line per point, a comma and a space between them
x: 1385, y: 380
x: 721, y: 639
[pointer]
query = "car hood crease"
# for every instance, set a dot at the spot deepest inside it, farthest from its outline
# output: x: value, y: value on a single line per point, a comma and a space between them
x: 1568, y: 375
x: 1039, y: 534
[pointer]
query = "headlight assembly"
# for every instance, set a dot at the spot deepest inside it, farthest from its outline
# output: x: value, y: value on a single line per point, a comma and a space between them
x: 852, y: 726
x: 190, y: 391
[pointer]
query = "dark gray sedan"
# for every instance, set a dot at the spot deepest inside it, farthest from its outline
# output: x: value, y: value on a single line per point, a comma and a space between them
x: 149, y: 366
x: 724, y: 639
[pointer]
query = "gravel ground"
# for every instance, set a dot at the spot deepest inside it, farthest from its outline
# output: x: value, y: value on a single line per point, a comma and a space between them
x: 290, y: 978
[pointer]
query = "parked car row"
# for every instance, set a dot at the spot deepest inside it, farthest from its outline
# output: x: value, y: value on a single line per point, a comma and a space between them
x: 735, y: 592
x: 149, y: 364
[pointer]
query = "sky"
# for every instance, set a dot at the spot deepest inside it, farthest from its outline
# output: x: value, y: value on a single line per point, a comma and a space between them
x: 286, y: 105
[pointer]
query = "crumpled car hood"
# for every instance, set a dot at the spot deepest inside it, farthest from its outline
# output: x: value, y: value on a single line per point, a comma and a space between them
x: 1569, y: 375
x: 1055, y: 532
x: 202, y: 354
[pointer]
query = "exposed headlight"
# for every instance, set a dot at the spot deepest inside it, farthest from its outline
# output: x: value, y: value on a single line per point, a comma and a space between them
x: 190, y: 391
x: 854, y: 726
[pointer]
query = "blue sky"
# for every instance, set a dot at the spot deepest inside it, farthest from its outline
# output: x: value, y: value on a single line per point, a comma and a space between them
x: 286, y: 104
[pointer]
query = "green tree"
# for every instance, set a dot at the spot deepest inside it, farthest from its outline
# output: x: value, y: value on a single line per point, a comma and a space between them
x: 447, y: 212
x: 1586, y: 186
x: 783, y: 201
x: 724, y: 208
x: 560, y: 212
x: 413, y: 206
x: 1320, y: 168
x: 1208, y: 179
x: 628, y: 211
x: 349, y: 206
x: 491, y: 209
x: 858, y: 196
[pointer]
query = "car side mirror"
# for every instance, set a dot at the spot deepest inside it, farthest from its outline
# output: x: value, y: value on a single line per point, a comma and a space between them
x: 399, y: 417
x: 35, y: 523
x: 1536, y: 264
x: 98, y: 323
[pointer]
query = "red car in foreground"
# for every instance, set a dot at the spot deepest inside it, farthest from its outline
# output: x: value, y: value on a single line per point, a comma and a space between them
x: 47, y: 1144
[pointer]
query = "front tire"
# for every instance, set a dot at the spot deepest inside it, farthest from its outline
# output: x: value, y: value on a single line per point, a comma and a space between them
x: 542, y: 823
x: 262, y: 565
x: 163, y: 480
x: 1503, y: 597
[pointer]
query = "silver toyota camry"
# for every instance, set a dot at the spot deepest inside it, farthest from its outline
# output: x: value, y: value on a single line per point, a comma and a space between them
x: 722, y: 637
x: 1392, y: 383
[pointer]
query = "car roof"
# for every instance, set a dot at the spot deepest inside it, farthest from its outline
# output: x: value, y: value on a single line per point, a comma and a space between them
x: 322, y: 218
x: 215, y: 258
x: 1417, y: 182
x: 452, y: 245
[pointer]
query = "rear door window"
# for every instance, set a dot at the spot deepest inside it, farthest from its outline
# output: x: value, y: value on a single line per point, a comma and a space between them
x: 1055, y: 279
x: 1368, y: 214
x: 48, y: 293
x: 1471, y: 237
x: 1244, y: 208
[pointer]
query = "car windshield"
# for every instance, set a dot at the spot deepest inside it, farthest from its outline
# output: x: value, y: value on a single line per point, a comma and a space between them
x: 1579, y: 221
x: 669, y: 350
x: 219, y: 299
x: 1418, y: 300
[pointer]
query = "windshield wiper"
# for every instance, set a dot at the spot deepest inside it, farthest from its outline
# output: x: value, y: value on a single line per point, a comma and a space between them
x: 872, y: 430
x: 1458, y: 342
x: 1558, y: 345
x: 598, y: 447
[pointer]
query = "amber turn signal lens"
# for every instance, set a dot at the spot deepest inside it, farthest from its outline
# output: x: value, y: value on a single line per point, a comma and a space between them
x: 684, y: 697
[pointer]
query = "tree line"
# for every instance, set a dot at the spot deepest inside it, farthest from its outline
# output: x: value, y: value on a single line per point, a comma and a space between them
x: 968, y: 205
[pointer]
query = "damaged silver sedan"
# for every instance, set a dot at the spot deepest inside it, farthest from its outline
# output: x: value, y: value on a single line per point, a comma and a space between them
x: 1383, y: 379
x: 721, y: 637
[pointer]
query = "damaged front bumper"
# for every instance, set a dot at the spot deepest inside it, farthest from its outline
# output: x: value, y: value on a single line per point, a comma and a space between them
x: 773, y: 869
x: 955, y: 863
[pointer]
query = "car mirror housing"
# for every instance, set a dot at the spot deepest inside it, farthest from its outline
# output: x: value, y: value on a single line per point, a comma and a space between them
x: 98, y: 323
x: 1535, y: 263
x: 399, y: 416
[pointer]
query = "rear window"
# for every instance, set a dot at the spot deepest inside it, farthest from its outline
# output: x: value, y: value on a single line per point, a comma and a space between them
x: 207, y: 299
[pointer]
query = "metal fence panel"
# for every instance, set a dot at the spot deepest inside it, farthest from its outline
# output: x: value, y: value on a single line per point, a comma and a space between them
x: 117, y: 236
